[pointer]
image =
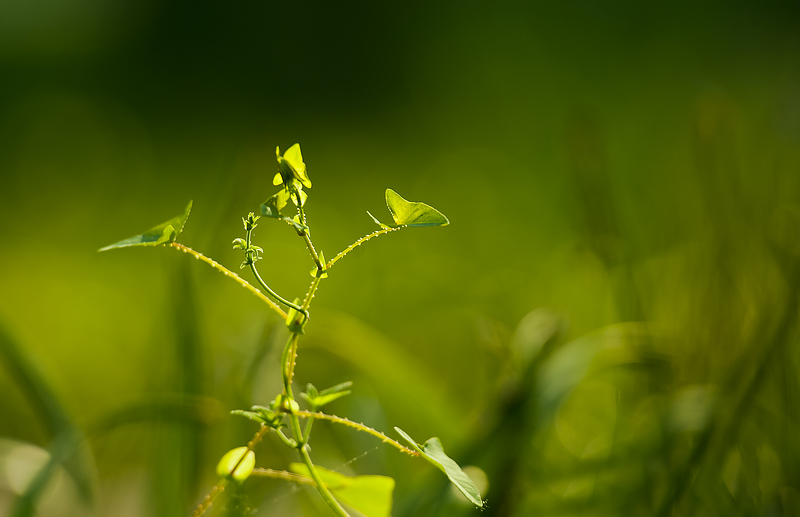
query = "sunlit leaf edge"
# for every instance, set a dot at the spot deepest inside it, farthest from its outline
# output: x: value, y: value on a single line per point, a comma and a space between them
x: 163, y: 233
x: 433, y: 451
x: 351, y: 490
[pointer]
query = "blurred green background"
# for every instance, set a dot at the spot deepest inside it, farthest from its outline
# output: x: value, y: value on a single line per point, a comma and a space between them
x: 608, y: 327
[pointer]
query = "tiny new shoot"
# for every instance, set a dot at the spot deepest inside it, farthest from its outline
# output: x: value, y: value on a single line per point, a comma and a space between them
x: 369, y: 495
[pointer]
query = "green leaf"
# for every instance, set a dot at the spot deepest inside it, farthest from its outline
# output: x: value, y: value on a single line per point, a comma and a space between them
x: 252, y: 415
x: 164, y: 233
x: 433, y: 452
x: 272, y: 207
x: 410, y: 213
x: 370, y: 495
x: 317, y: 400
x: 226, y: 466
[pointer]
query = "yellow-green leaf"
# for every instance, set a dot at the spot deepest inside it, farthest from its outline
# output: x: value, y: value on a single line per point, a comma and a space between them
x: 164, y: 233
x: 433, y: 452
x: 246, y: 460
x: 370, y: 495
x: 411, y: 213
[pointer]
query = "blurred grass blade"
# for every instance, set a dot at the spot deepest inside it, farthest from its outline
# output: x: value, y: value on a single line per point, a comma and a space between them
x: 164, y: 233
x: 370, y: 495
x: 53, y: 417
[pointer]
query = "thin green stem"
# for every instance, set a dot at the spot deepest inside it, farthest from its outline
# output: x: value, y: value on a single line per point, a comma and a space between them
x: 282, y: 474
x: 225, y: 271
x: 287, y: 364
x: 307, y: 431
x: 209, y: 498
x: 285, y: 439
x: 321, y: 487
x: 314, y: 255
x: 356, y: 425
x: 359, y: 242
x: 272, y: 293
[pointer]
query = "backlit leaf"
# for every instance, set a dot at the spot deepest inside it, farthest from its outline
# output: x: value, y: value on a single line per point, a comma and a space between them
x: 433, y: 452
x: 370, y: 495
x: 164, y: 233
x: 272, y: 207
x: 410, y: 213
x: 241, y: 456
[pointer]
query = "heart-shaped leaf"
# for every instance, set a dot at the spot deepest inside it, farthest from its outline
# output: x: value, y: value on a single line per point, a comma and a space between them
x: 164, y: 233
x: 370, y: 495
x: 411, y: 213
x: 433, y: 452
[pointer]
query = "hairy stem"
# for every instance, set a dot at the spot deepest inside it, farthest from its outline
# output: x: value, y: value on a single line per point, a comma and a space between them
x: 356, y: 425
x: 314, y: 255
x: 282, y: 474
x: 227, y: 272
x: 219, y: 487
x: 358, y: 243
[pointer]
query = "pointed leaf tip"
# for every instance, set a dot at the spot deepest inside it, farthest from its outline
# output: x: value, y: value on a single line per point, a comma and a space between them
x: 412, y: 213
x: 433, y: 452
x: 164, y: 233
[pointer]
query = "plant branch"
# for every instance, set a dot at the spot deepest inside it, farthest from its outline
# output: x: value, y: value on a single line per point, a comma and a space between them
x: 358, y: 243
x: 355, y: 425
x: 227, y: 272
x: 282, y: 474
x: 321, y: 487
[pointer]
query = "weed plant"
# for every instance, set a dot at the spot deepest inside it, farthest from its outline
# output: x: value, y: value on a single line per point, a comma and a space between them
x: 293, y: 425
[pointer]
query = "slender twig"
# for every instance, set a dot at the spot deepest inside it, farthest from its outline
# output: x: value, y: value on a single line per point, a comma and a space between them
x: 208, y: 499
x: 282, y: 474
x: 310, y: 246
x: 356, y: 425
x: 322, y: 488
x: 359, y: 242
x: 219, y: 487
x: 227, y: 272
x: 251, y: 261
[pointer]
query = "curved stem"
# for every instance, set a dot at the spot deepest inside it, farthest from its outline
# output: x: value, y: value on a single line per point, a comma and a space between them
x: 359, y: 242
x: 321, y: 487
x: 285, y: 439
x: 272, y: 293
x: 227, y: 272
x: 356, y: 425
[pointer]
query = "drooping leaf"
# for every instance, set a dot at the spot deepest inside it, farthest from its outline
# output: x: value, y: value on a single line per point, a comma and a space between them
x: 246, y: 460
x: 370, y: 495
x: 411, y: 213
x: 272, y: 207
x: 433, y: 452
x: 164, y: 233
